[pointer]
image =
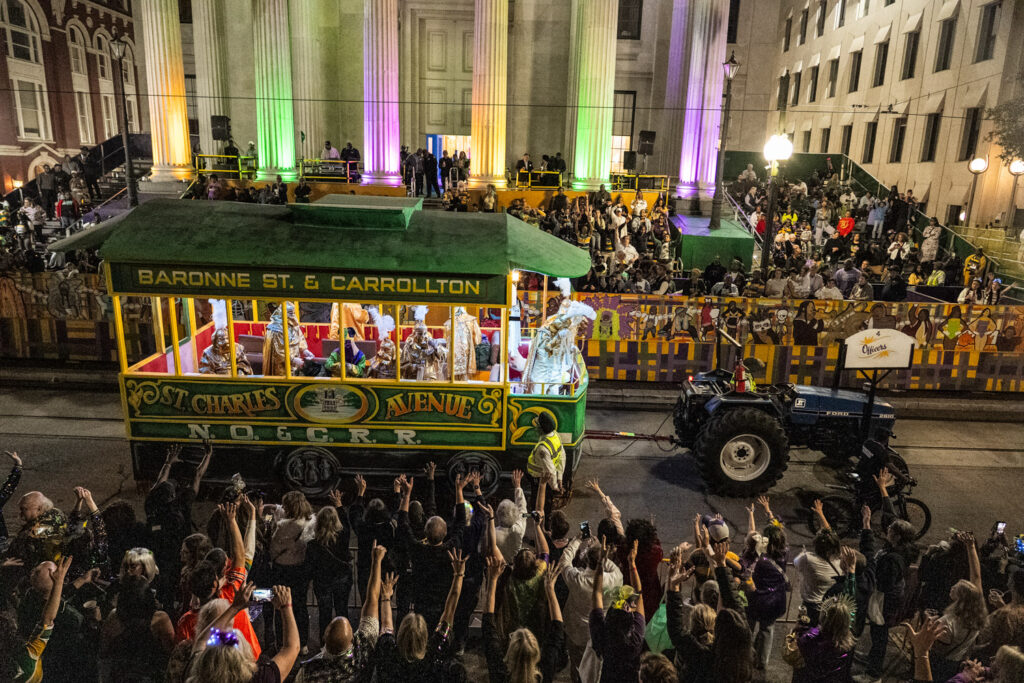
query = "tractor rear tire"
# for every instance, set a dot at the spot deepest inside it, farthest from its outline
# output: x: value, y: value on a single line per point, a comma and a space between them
x: 741, y: 452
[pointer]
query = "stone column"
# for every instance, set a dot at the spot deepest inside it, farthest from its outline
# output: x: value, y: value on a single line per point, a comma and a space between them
x: 165, y: 80
x: 308, y: 78
x: 705, y: 47
x: 595, y: 47
x: 208, y: 37
x: 275, y: 127
x: 490, y: 84
x: 380, y: 92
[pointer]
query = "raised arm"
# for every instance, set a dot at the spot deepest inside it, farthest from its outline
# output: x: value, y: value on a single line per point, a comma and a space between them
x: 751, y: 522
x: 53, y: 600
x: 240, y: 602
x: 884, y: 480
x: 387, y: 589
x: 203, y: 466
x: 538, y: 531
x: 289, y: 652
x: 455, y: 590
x: 229, y: 511
x: 819, y: 512
x: 406, y: 489
x: 634, y: 575
x: 542, y: 489
x: 609, y: 507
x: 173, y: 455
x: 7, y: 490
x: 967, y: 538
x: 766, y: 505
x: 492, y: 536
x: 430, y: 501
x: 373, y: 585
x: 249, y: 542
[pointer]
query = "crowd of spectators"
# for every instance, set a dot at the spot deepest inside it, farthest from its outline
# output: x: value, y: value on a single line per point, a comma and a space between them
x: 830, y: 242
x: 105, y: 595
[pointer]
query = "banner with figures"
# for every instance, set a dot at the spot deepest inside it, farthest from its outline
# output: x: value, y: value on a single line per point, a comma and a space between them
x: 664, y: 339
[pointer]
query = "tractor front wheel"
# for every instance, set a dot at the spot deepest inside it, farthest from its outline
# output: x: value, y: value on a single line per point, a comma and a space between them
x: 741, y: 452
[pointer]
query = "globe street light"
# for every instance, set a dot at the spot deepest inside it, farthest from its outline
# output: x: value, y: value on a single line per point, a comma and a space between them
x: 778, y: 148
x: 730, y: 68
x: 1016, y: 170
x: 977, y: 166
x: 117, y: 52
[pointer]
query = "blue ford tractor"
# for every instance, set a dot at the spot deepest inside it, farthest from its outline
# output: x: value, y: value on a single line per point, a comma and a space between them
x: 740, y: 435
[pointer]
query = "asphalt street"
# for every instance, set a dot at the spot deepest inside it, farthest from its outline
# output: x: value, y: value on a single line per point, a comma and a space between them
x: 969, y: 473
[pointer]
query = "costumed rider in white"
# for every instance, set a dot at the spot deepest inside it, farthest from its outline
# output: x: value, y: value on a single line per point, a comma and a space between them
x: 554, y: 361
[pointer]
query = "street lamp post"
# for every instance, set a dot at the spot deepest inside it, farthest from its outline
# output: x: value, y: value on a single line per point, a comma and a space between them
x: 117, y: 48
x: 778, y: 148
x: 730, y: 67
x: 1016, y: 170
x: 977, y: 166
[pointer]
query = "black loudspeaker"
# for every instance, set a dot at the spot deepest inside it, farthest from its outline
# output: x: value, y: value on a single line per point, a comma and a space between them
x: 629, y: 160
x: 221, y: 126
x: 646, y: 146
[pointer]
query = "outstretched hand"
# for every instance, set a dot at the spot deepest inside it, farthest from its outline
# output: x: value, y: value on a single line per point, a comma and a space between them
x: 922, y: 640
x: 334, y: 496
x: 884, y: 480
x: 458, y: 561
x: 360, y: 485
x: 517, y: 479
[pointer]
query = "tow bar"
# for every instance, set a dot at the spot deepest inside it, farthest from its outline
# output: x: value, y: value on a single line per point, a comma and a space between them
x: 608, y: 436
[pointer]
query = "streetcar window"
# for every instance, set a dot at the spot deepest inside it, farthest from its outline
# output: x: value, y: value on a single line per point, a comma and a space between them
x: 423, y: 353
x: 177, y: 335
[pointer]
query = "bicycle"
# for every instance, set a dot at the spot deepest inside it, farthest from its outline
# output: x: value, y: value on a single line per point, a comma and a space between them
x: 843, y: 511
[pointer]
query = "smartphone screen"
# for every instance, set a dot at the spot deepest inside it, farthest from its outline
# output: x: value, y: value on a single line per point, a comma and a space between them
x: 262, y: 595
x: 1000, y: 527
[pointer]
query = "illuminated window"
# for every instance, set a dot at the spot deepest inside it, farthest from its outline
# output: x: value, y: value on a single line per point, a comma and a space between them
x: 622, y: 126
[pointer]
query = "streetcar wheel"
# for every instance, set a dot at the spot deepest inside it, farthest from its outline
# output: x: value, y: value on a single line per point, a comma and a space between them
x: 314, y: 471
x: 741, y: 452
x: 476, y: 461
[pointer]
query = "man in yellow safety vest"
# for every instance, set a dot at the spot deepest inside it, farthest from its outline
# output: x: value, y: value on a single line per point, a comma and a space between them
x: 548, y: 456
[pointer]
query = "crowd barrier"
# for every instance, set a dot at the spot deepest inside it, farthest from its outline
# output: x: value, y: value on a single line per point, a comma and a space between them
x: 665, y: 339
x: 54, y: 316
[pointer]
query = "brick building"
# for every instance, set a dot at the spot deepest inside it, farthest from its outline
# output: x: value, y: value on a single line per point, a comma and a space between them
x: 57, y: 77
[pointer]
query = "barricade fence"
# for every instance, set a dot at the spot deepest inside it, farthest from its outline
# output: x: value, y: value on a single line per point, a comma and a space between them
x: 61, y: 316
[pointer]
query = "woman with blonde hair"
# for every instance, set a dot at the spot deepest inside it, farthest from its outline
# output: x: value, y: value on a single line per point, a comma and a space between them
x: 525, y: 660
x: 293, y: 529
x: 329, y: 561
x: 138, y: 562
x: 964, y: 618
x: 827, y: 648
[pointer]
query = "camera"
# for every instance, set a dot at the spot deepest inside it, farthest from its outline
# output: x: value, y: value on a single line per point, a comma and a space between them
x: 585, y: 529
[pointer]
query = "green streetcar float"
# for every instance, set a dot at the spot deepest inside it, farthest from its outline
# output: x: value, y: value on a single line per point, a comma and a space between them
x: 347, y: 254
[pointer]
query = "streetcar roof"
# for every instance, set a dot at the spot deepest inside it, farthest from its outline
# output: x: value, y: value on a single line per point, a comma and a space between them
x: 367, y: 233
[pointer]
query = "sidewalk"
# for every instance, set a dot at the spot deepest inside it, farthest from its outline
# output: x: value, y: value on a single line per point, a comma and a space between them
x: 607, y: 394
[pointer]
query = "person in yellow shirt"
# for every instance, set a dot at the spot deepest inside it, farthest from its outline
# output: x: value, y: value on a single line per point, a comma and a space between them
x: 348, y: 315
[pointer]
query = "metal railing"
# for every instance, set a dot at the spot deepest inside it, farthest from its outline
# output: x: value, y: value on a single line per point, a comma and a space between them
x: 632, y: 181
x: 741, y: 217
x: 547, y: 180
x: 331, y: 170
x: 241, y: 166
